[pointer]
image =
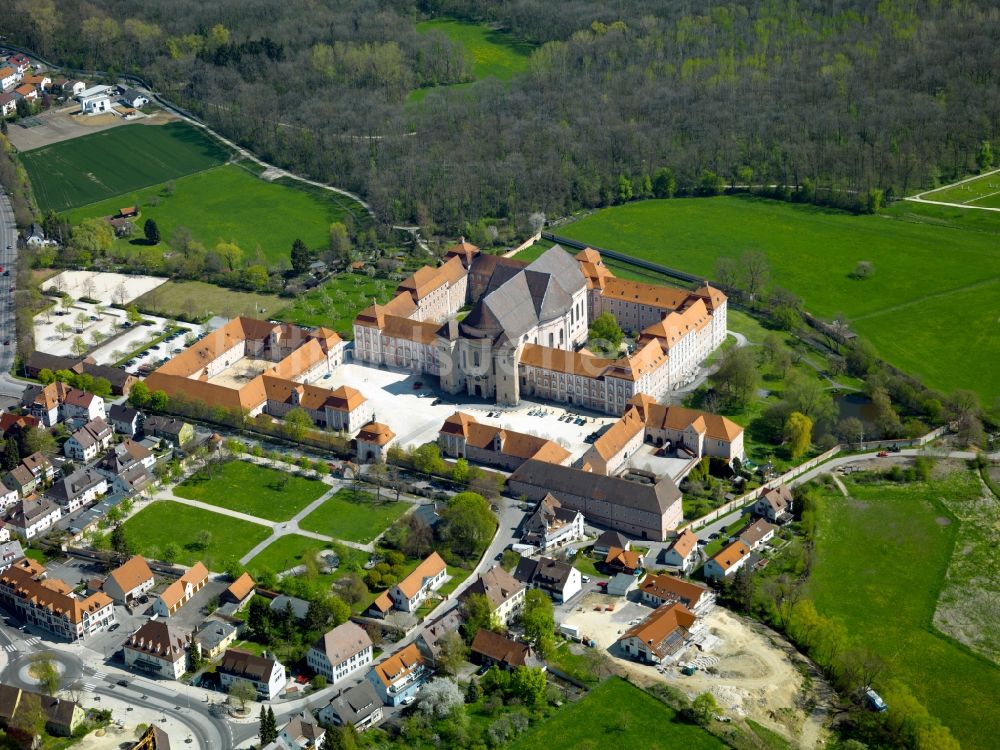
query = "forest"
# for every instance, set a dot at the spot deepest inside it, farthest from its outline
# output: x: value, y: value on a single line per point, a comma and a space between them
x: 845, y: 102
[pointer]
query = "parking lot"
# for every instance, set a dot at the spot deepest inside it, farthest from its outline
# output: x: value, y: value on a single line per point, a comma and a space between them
x: 415, y: 409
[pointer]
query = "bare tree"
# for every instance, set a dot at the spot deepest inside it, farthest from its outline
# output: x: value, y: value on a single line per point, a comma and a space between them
x: 756, y: 273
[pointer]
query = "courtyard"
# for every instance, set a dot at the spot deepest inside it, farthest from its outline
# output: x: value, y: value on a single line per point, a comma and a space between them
x: 415, y: 408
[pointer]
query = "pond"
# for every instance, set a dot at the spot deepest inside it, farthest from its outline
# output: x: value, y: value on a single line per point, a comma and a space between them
x: 855, y: 405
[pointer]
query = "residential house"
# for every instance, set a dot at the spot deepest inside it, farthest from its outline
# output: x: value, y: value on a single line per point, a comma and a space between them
x: 32, y: 516
x: 9, y: 77
x: 408, y: 594
x: 373, y: 441
x: 50, y: 604
x: 610, y: 539
x: 129, y: 581
x: 127, y: 466
x: 492, y: 649
x: 299, y: 607
x: 8, y: 104
x: 80, y: 488
x: 557, y: 579
x: 40, y: 82
x: 774, y: 504
x: 657, y: 590
x: 302, y: 732
x: 62, y: 717
x: 135, y: 98
x: 21, y: 480
x: 8, y: 497
x: 682, y: 552
x: 10, y: 422
x: 158, y: 649
x: 660, y: 636
x: 179, y: 593
x: 75, y: 88
x: 552, y: 525
x: 430, y: 640
x: 10, y: 551
x: 95, y: 100
x: 26, y: 91
x: 623, y: 561
x: 728, y: 561
x: 756, y: 534
x: 125, y: 420
x: 40, y: 466
x: 359, y: 707
x: 504, y: 593
x: 265, y: 673
x: 177, y: 431
x: 400, y: 676
x: 82, y: 407
x: 239, y: 592
x: 84, y: 444
x: 340, y: 651
x: 20, y: 62
x: 214, y: 637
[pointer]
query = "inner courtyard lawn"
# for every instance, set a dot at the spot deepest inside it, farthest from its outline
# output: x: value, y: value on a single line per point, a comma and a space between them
x: 252, y: 489
x: 881, y: 558
x: 283, y: 553
x: 164, y: 522
x: 353, y: 516
x: 616, y: 714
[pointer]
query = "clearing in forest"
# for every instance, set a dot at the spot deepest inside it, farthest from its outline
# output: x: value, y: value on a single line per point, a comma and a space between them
x: 973, y: 192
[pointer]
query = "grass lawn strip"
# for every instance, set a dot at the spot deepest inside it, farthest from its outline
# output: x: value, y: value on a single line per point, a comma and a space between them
x: 163, y: 522
x: 881, y: 560
x: 283, y: 553
x: 615, y: 714
x: 813, y: 253
x: 229, y: 204
x: 198, y: 299
x: 255, y: 490
x: 117, y: 161
x: 354, y: 516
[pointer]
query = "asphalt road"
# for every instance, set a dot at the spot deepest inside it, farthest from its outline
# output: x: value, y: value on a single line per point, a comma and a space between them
x: 8, y: 258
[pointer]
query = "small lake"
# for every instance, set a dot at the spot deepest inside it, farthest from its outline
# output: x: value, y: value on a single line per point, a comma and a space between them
x: 855, y: 405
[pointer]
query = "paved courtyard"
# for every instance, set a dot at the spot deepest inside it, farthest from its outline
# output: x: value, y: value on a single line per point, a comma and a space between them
x: 110, y: 288
x: 412, y: 414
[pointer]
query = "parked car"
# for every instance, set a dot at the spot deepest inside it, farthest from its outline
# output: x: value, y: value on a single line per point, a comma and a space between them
x: 882, y: 454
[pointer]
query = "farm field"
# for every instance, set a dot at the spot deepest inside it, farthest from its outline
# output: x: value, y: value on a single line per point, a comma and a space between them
x: 493, y: 53
x: 813, y: 252
x: 865, y: 577
x: 283, y: 553
x: 163, y: 522
x: 615, y: 714
x: 982, y: 192
x: 117, y: 161
x: 255, y: 490
x: 229, y: 204
x: 353, y: 516
x: 198, y: 299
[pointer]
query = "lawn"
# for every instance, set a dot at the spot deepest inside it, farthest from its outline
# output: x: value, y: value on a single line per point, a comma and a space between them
x: 117, y: 161
x: 336, y: 303
x: 255, y: 490
x: 152, y: 528
x: 493, y: 53
x: 813, y: 252
x: 983, y: 191
x: 283, y: 553
x: 354, y: 516
x: 198, y: 299
x: 881, y: 559
x: 616, y: 714
x: 229, y: 204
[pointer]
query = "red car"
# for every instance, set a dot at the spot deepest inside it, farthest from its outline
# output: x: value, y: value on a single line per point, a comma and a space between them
x: 882, y: 454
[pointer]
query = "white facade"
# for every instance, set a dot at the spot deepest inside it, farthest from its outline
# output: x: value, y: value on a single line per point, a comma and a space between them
x: 319, y: 663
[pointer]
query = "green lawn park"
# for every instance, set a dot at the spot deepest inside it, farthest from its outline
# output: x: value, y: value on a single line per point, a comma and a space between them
x: 283, y: 553
x: 252, y: 489
x: 881, y: 558
x: 916, y: 254
x: 354, y: 516
x: 164, y: 521
x: 616, y: 714
x: 230, y: 204
x: 199, y: 299
x: 493, y: 53
x: 117, y: 161
x: 336, y: 303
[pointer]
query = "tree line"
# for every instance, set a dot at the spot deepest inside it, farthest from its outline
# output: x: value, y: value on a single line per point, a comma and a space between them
x: 849, y: 103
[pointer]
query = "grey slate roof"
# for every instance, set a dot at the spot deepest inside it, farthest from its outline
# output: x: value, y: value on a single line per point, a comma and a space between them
x: 356, y: 704
x: 300, y: 607
x: 652, y: 498
x: 68, y: 488
x: 544, y: 572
